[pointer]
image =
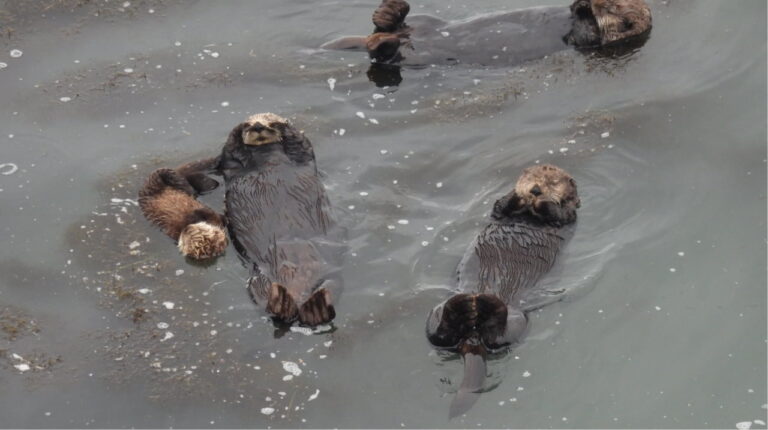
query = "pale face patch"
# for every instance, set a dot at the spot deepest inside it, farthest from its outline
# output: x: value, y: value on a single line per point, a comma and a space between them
x: 546, y: 183
x: 263, y: 129
x: 202, y: 240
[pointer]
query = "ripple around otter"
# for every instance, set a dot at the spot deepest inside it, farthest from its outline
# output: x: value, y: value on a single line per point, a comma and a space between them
x: 663, y: 282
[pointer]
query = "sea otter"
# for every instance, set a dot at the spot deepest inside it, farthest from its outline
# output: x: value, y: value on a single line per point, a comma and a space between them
x: 168, y: 200
x: 505, y: 260
x: 279, y: 219
x: 503, y: 38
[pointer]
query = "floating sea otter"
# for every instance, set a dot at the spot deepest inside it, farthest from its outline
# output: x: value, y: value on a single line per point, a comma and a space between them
x: 279, y: 218
x: 506, y: 259
x: 167, y: 199
x: 503, y: 38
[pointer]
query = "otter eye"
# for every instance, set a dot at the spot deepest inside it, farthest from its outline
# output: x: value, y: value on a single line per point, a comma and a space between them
x: 536, y: 191
x: 627, y: 24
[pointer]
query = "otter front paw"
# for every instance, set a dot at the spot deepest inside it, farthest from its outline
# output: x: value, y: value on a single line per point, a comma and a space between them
x: 318, y: 309
x: 390, y: 15
x: 383, y: 46
x: 280, y: 304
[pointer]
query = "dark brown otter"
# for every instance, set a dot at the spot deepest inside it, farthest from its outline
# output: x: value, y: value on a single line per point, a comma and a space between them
x: 506, y: 259
x: 168, y: 200
x: 279, y: 219
x: 504, y: 38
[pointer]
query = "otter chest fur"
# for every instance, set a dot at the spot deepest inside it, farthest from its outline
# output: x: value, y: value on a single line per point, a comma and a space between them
x: 279, y: 218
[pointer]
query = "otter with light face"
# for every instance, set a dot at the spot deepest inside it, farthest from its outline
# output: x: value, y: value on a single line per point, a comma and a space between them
x: 499, y: 270
x: 503, y: 38
x: 168, y: 200
x: 279, y: 219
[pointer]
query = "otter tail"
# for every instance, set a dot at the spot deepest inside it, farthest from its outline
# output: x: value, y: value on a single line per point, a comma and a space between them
x: 390, y: 15
x: 473, y: 353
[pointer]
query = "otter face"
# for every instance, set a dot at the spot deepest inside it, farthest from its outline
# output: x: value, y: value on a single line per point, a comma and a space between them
x: 605, y: 22
x: 263, y: 129
x: 546, y: 192
x: 202, y: 241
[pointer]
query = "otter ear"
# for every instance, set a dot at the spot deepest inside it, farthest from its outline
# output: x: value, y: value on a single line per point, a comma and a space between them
x: 507, y: 205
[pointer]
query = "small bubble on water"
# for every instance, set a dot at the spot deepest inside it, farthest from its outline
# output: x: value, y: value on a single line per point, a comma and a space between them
x: 128, y: 70
x: 162, y: 325
x: 16, y: 53
x: 605, y: 135
x: 658, y: 308
x: 332, y: 85
x: 402, y: 221
x: 744, y: 425
x: 526, y: 374
x: 363, y: 193
x: 267, y: 411
x: 383, y: 152
x: 439, y: 185
x: 681, y: 254
x: 65, y: 99
x: 672, y: 269
x: 3, y: 65
x: 360, y: 114
x: 424, y: 243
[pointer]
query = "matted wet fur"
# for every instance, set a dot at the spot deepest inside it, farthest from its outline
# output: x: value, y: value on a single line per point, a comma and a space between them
x: 503, y: 38
x: 168, y: 200
x: 503, y: 263
x: 279, y: 219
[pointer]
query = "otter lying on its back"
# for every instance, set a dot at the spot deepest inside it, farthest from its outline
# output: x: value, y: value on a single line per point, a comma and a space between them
x: 168, y: 200
x: 506, y: 259
x: 504, y: 38
x: 280, y: 220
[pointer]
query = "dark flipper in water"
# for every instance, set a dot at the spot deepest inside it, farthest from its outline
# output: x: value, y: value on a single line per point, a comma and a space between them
x: 318, y: 309
x: 471, y: 385
x: 281, y: 304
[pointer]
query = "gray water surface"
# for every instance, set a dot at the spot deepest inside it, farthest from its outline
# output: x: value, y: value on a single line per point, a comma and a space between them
x: 104, y: 324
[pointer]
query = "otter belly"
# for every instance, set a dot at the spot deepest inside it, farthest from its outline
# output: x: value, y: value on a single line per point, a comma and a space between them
x: 504, y: 38
x: 505, y: 260
x: 279, y: 220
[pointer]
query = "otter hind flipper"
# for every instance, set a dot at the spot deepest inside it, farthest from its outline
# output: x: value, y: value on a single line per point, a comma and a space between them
x: 464, y: 315
x: 318, y: 309
x: 390, y: 15
x: 196, y: 173
x: 280, y: 303
x: 161, y: 179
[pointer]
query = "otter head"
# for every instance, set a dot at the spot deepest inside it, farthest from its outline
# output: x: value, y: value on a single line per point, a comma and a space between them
x: 204, y: 236
x: 263, y: 129
x: 601, y: 23
x: 547, y: 193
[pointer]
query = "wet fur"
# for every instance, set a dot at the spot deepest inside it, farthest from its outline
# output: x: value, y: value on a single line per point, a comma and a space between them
x: 279, y: 220
x: 506, y: 259
x: 168, y: 200
x: 594, y: 24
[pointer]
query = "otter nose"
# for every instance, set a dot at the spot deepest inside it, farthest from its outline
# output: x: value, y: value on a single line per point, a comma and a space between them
x: 258, y: 128
x: 536, y: 191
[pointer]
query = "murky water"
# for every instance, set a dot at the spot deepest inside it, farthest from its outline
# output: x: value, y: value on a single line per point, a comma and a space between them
x: 105, y: 325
